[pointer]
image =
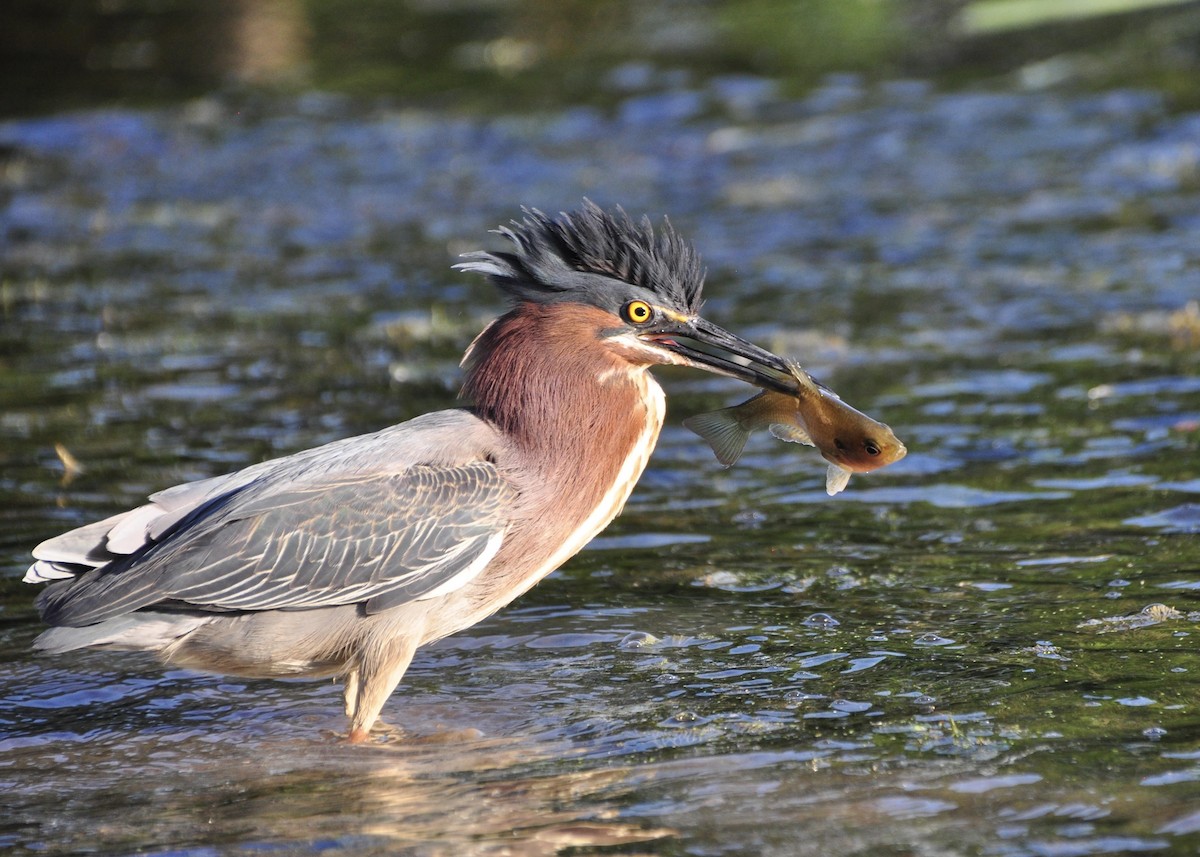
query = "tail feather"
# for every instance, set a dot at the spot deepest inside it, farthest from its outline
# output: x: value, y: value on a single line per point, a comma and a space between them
x: 45, y: 571
x: 722, y: 431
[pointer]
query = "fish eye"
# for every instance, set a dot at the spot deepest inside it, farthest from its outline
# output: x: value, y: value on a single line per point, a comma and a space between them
x: 871, y: 447
x: 637, y: 312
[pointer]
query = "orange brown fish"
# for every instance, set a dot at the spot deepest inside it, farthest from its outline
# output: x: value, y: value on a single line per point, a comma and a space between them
x: 848, y: 439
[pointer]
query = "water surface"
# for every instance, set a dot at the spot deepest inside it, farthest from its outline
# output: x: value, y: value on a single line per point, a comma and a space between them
x: 953, y: 656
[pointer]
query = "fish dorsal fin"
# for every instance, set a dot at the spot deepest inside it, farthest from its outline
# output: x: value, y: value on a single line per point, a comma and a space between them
x: 723, y: 433
x: 806, y: 384
x: 791, y: 433
x: 836, y: 479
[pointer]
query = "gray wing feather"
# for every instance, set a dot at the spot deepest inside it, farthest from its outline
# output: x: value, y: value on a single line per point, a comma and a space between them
x: 97, y: 544
x: 382, y: 540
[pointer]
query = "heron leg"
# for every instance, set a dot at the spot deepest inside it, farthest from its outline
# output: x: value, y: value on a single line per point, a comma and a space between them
x: 376, y: 676
x: 350, y: 692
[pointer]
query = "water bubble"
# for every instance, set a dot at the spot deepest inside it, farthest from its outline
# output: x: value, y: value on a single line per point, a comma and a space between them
x: 932, y: 640
x: 849, y: 706
x: 821, y: 620
x: 683, y: 719
x: 877, y: 638
x: 925, y: 700
x: 637, y: 640
x: 1154, y: 732
x: 1118, y: 582
x: 798, y: 696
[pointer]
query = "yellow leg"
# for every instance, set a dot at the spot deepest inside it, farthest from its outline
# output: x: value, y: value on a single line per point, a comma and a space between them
x: 376, y: 676
x: 350, y: 692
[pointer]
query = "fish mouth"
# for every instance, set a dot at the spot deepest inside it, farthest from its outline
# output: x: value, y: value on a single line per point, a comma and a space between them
x: 703, y: 345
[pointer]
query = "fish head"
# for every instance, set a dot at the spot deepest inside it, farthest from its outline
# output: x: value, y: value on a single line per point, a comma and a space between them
x: 861, y: 446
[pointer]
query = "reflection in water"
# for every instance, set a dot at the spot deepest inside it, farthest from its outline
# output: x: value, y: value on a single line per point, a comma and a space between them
x: 269, y: 40
x: 76, y: 52
x: 447, y: 796
x: 82, y: 52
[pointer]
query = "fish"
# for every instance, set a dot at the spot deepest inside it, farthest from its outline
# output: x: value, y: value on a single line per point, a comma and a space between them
x: 848, y: 439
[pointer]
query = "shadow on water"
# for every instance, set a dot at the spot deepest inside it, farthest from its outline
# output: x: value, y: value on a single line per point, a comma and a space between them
x: 987, y: 648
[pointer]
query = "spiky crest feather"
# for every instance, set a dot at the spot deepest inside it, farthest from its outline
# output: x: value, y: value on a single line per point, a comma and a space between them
x: 578, y: 255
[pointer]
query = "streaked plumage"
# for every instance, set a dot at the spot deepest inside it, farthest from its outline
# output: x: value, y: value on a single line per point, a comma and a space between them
x: 342, y: 560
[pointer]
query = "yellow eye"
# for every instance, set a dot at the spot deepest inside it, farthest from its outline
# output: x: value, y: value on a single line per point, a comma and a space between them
x: 637, y: 312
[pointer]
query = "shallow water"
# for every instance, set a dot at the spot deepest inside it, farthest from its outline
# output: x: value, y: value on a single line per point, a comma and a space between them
x: 950, y: 657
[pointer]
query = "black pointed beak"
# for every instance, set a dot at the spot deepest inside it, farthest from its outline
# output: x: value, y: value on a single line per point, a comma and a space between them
x: 702, y: 344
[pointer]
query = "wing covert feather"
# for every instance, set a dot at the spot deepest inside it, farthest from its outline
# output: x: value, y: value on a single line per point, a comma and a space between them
x: 381, y: 539
x: 345, y: 543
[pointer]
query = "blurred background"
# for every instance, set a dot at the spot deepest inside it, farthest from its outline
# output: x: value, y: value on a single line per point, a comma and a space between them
x: 523, y: 53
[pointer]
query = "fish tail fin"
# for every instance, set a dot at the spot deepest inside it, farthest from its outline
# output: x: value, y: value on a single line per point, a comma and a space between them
x: 836, y: 479
x: 722, y: 431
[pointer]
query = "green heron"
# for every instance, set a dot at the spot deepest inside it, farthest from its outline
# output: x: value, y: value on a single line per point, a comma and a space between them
x: 344, y: 559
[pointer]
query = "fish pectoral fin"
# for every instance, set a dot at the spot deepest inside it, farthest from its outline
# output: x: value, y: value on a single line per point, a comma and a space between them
x: 791, y: 433
x: 723, y: 433
x: 836, y: 479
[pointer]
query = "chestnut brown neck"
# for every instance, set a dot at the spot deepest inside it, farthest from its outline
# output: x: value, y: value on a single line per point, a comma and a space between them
x: 543, y: 376
x: 582, y: 420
